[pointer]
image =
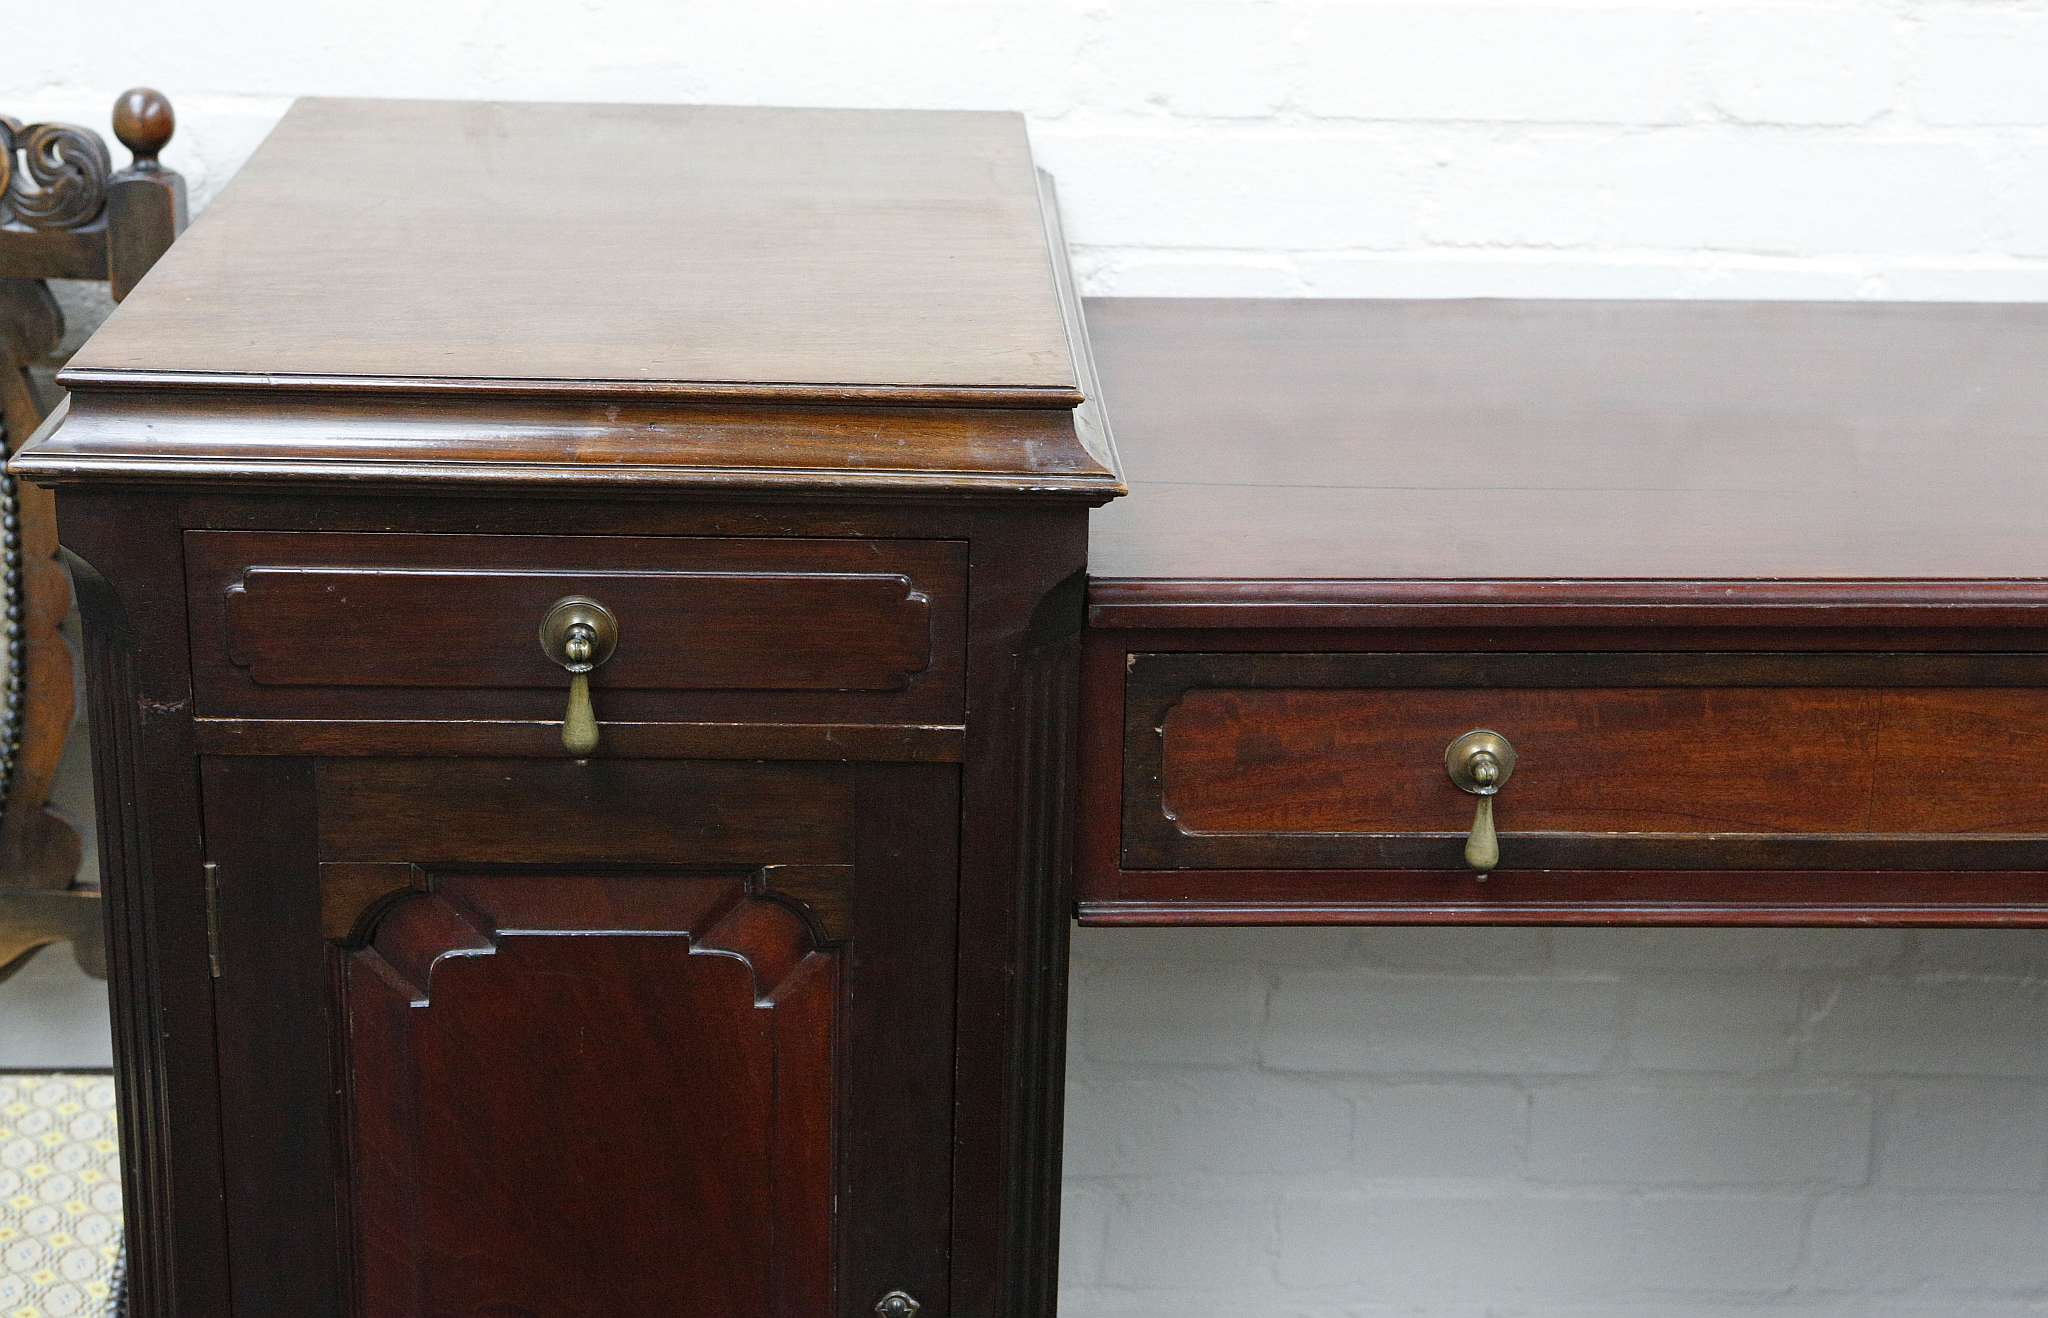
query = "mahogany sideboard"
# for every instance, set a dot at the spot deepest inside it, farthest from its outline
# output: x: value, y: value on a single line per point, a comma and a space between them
x: 598, y: 746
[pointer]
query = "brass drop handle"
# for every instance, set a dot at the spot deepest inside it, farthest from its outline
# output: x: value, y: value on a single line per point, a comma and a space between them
x: 1480, y: 762
x: 579, y: 634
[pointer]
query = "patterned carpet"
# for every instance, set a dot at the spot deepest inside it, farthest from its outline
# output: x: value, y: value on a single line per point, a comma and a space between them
x: 60, y: 1196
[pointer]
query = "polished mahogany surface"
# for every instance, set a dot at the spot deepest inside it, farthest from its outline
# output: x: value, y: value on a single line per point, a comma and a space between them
x: 1755, y: 591
x: 1583, y: 440
x: 670, y: 250
x: 645, y: 969
x: 713, y: 628
x: 1643, y: 758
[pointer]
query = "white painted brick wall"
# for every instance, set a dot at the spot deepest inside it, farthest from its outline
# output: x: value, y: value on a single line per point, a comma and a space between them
x: 1657, y: 148
x: 1542, y: 1123
x: 1365, y: 1124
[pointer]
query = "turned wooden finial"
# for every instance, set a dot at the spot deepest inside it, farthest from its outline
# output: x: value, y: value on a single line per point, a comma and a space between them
x: 144, y: 122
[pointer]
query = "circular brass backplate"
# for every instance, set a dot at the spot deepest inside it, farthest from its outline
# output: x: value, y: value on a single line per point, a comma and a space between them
x: 1460, y: 755
x: 565, y: 613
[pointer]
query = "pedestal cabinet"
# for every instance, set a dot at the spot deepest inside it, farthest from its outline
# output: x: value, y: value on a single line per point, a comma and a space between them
x: 582, y: 610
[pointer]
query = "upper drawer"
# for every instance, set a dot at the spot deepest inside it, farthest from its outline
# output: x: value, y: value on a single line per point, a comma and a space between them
x: 1622, y: 761
x: 370, y: 626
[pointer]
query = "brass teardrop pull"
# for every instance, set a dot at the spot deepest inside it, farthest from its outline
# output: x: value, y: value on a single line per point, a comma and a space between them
x: 579, y: 634
x: 1480, y: 762
x: 579, y: 723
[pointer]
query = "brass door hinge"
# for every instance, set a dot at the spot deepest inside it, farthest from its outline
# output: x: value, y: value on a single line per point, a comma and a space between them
x: 213, y: 919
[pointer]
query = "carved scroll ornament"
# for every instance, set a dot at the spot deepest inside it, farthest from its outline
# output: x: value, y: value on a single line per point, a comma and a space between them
x: 52, y: 176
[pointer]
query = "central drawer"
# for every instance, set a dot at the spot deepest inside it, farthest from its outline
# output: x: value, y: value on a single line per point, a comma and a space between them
x: 1636, y: 761
x: 315, y: 625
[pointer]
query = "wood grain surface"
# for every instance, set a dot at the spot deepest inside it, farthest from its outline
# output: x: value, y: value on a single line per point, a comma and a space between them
x: 555, y: 446
x: 1700, y: 761
x: 1619, y: 760
x: 449, y: 1077
x: 698, y: 1086
x: 1420, y: 441
x: 445, y: 626
x: 659, y: 249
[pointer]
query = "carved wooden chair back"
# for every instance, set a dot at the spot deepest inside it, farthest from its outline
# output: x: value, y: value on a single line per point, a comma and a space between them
x: 65, y: 213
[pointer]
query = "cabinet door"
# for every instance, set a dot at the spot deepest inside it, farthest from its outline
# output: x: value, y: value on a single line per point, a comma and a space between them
x: 541, y: 1038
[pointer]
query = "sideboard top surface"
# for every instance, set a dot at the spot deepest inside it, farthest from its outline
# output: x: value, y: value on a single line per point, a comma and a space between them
x: 668, y: 249
x: 1431, y: 445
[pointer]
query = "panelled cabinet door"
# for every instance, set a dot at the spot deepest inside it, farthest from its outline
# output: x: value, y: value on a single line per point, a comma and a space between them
x: 542, y: 1039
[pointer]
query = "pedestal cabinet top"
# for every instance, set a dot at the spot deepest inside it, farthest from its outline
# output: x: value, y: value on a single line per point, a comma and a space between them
x: 652, y: 294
